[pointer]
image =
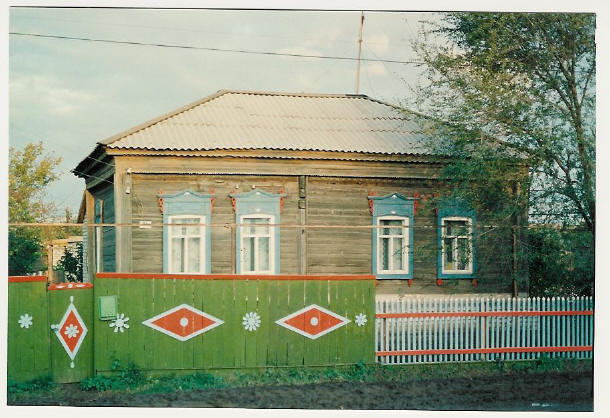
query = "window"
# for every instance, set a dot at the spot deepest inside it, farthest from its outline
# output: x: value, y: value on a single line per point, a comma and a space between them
x: 187, y: 244
x: 186, y: 237
x: 392, y: 248
x: 392, y: 238
x: 456, y: 245
x: 257, y: 242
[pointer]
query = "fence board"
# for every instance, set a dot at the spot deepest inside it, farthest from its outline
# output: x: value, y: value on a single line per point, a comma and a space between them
x: 461, y: 330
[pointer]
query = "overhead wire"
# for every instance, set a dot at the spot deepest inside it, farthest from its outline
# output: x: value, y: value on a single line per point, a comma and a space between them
x: 242, y: 51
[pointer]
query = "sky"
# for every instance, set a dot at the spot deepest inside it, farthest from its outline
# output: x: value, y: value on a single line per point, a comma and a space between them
x: 69, y: 94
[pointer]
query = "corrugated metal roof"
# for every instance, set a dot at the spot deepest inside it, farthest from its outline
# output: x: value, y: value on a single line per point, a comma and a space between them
x: 234, y: 120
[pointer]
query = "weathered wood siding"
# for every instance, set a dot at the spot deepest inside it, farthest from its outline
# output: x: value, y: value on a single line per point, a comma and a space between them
x: 336, y: 195
x: 147, y: 251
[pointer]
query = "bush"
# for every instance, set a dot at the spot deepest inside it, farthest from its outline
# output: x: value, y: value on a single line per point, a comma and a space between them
x: 561, y: 262
x: 72, y: 263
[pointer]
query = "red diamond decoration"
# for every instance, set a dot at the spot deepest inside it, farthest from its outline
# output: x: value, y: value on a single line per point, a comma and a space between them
x: 313, y: 321
x: 71, y: 331
x: 183, y: 322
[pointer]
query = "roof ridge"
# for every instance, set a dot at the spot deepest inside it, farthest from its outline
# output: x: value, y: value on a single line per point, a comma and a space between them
x: 295, y: 94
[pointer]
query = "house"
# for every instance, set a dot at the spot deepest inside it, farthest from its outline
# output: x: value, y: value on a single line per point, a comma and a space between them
x: 316, y: 184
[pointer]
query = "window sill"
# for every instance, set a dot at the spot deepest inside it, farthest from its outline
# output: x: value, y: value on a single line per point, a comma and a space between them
x: 449, y: 276
x: 399, y: 276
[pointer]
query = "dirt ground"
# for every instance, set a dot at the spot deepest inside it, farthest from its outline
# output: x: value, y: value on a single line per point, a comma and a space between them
x: 563, y: 391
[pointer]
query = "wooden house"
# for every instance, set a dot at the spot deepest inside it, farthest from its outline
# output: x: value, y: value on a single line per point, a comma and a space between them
x: 278, y: 183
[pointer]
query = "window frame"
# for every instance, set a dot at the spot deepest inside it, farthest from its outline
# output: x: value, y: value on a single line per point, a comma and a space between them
x: 405, y: 237
x: 271, y: 236
x: 469, y: 223
x: 453, y: 208
x: 187, y: 203
x: 393, y: 205
x: 202, y: 246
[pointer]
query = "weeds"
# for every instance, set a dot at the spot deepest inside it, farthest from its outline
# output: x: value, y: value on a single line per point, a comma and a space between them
x: 135, y: 380
x: 130, y: 377
x: 39, y: 384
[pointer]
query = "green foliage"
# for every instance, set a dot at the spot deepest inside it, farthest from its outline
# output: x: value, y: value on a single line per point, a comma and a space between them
x: 24, y: 251
x: 510, y: 98
x: 30, y: 171
x: 40, y: 384
x: 561, y: 262
x: 504, y: 89
x: 130, y: 377
x: 72, y: 263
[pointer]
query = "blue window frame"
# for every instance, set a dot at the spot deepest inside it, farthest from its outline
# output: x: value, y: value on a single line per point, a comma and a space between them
x: 393, y: 237
x: 257, y: 249
x: 456, y: 241
x: 186, y: 246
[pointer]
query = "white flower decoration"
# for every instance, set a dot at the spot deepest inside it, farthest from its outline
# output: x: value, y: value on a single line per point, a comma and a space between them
x: 360, y: 319
x: 25, y: 321
x: 71, y: 331
x: 120, y: 323
x: 251, y: 321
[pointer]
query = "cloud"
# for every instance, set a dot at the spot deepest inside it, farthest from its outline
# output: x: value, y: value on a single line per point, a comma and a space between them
x: 375, y: 68
x: 379, y: 43
x: 50, y: 94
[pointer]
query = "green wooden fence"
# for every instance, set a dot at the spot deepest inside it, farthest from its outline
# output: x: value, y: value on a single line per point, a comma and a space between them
x: 64, y: 368
x: 73, y: 331
x: 28, y: 328
x: 34, y: 349
x: 232, y: 300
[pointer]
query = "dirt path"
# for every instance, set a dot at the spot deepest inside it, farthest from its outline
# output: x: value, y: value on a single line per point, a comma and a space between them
x: 541, y: 392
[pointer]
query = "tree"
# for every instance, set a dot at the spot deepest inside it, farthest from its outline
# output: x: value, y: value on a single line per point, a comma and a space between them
x: 72, y: 263
x: 516, y: 87
x: 30, y: 171
x: 510, y: 98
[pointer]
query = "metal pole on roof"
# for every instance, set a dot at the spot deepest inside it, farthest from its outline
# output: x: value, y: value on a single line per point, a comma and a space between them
x: 359, y: 51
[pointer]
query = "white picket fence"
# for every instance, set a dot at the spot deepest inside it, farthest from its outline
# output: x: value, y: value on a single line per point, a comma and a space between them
x: 482, y: 329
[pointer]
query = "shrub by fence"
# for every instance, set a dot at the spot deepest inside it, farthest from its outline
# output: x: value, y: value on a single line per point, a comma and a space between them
x: 482, y: 329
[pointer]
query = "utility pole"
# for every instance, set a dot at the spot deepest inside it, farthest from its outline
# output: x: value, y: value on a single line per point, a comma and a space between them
x: 359, y: 51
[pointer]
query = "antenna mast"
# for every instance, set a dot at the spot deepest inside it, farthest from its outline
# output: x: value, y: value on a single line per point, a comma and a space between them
x: 359, y: 51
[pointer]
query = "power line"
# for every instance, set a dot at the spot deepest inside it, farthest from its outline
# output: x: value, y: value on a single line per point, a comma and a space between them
x: 242, y: 51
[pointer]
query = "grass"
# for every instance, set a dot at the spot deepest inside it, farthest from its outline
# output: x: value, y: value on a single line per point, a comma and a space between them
x: 133, y: 380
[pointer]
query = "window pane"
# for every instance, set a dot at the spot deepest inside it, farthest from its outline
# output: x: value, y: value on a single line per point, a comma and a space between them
x: 397, y: 252
x: 394, y: 226
x: 176, y: 255
x: 190, y: 230
x: 248, y: 254
x: 385, y: 253
x: 463, y: 253
x: 260, y: 230
x: 194, y: 262
x: 263, y: 254
x: 448, y: 250
x: 455, y: 228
